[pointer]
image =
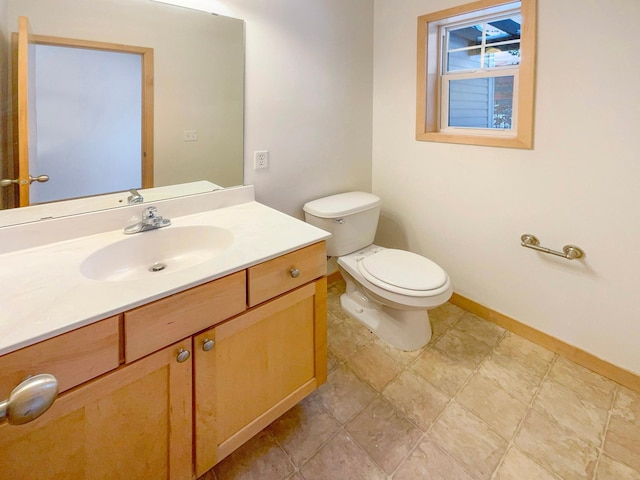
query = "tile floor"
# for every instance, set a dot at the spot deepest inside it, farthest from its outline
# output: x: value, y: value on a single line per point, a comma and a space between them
x: 477, y: 403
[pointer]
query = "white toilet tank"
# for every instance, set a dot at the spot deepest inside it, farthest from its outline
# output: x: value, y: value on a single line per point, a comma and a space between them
x: 351, y: 218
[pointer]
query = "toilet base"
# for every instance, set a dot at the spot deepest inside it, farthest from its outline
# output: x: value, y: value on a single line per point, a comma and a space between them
x: 407, y: 330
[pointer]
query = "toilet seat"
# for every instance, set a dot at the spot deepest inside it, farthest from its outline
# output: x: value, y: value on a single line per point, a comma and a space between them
x: 402, y: 272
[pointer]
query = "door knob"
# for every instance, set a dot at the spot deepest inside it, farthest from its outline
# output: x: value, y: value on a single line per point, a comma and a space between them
x: 39, y: 179
x: 5, y: 182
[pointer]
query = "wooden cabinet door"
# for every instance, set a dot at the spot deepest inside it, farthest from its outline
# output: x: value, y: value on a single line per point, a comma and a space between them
x: 133, y: 423
x: 262, y: 363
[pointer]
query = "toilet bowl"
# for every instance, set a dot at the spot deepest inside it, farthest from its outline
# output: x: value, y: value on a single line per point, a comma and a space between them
x: 388, y: 290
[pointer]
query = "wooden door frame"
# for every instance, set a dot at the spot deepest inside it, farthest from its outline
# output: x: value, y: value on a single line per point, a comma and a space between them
x: 147, y: 153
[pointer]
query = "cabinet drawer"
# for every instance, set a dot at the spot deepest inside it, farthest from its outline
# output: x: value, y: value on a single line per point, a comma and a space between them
x: 73, y: 358
x: 272, y: 278
x: 161, y: 323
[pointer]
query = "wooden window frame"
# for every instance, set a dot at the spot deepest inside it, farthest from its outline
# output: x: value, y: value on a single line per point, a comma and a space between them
x: 428, y: 94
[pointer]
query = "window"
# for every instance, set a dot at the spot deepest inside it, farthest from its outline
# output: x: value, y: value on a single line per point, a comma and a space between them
x: 476, y: 66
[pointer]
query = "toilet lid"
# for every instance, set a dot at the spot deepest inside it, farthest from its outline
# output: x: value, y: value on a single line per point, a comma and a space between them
x: 402, y: 269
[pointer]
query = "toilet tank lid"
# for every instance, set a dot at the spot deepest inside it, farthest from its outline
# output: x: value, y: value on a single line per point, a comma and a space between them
x: 342, y: 204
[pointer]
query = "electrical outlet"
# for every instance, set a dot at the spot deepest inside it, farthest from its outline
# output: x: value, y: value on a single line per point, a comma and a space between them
x: 260, y: 159
x: 190, y: 135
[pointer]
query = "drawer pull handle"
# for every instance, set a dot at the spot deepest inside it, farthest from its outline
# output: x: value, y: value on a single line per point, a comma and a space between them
x: 183, y: 355
x: 207, y: 344
x: 294, y: 272
x: 30, y: 399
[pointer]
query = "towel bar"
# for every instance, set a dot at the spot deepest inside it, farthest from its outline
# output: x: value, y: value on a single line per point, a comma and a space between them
x: 568, y: 251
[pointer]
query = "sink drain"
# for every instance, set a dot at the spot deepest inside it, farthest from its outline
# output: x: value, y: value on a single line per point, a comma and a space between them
x: 158, y: 267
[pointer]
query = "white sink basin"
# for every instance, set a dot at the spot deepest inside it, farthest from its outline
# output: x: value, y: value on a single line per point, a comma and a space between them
x: 156, y: 252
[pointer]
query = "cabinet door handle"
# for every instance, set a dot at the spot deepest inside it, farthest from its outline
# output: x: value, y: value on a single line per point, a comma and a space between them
x: 207, y: 344
x: 294, y: 272
x: 183, y: 355
x: 30, y: 399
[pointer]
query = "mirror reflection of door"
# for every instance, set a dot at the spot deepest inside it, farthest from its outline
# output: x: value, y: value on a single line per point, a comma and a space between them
x: 90, y: 110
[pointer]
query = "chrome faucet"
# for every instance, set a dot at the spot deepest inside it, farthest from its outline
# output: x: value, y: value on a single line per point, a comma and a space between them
x: 150, y: 221
x: 135, y: 197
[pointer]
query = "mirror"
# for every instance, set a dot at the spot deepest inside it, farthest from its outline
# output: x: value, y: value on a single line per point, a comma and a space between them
x: 198, y: 84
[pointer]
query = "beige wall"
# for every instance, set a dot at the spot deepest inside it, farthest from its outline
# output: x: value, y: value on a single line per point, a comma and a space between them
x: 466, y: 207
x: 308, y: 97
x: 198, y: 64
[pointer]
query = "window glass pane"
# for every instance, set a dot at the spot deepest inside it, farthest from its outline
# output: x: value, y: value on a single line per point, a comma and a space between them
x: 481, y: 102
x: 504, y: 30
x: 502, y: 55
x: 465, y: 37
x: 463, y: 60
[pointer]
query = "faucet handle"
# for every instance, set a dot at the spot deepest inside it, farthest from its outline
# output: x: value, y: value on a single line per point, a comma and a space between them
x: 150, y: 213
x: 135, y: 197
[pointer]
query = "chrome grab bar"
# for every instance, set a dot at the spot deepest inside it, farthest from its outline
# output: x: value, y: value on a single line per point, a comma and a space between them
x: 568, y: 251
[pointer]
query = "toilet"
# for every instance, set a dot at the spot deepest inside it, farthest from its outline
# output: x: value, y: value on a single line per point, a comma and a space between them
x: 390, y: 291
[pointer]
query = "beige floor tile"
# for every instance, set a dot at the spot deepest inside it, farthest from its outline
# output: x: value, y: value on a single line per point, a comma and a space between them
x: 383, y: 434
x: 532, y: 355
x: 344, y: 395
x: 332, y: 362
x: 336, y: 288
x: 486, y: 332
x: 345, y: 339
x: 463, y: 348
x: 210, y: 475
x: 514, y: 377
x: 564, y: 406
x: 517, y: 466
x: 444, y: 317
x: 334, y: 318
x: 610, y: 469
x: 443, y: 372
x: 416, y: 399
x: 259, y: 459
x: 469, y: 440
x: 303, y: 429
x: 556, y: 447
x: 341, y: 458
x: 335, y: 314
x: 622, y: 441
x: 374, y: 366
x: 627, y: 405
x: 587, y: 384
x: 402, y: 357
x: 428, y: 461
x: 346, y: 431
x: 491, y: 403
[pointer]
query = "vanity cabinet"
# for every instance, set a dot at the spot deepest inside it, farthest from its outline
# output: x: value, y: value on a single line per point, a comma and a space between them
x: 152, y: 326
x: 190, y: 376
x: 252, y: 369
x: 132, y: 423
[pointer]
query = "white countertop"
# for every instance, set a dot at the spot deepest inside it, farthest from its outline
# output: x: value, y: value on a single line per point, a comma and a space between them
x: 43, y: 292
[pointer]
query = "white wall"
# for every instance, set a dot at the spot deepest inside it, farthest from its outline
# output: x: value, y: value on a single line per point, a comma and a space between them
x: 466, y: 207
x: 308, y: 97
